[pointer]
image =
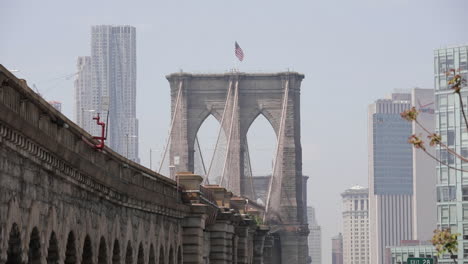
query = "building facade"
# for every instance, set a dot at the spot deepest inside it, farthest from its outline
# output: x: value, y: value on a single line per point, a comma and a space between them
x: 390, y: 175
x: 424, y: 177
x: 452, y: 184
x: 411, y: 249
x: 337, y: 249
x: 356, y: 225
x: 315, y: 237
x: 106, y: 85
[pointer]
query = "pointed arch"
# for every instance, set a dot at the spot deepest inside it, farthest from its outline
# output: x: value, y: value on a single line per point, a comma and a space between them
x: 152, y: 257
x: 116, y: 252
x: 141, y: 255
x: 161, y: 256
x: 129, y: 254
x: 207, y: 135
x: 87, y: 256
x: 34, y: 251
x: 102, y: 255
x: 171, y: 255
x: 14, y: 250
x: 53, y: 250
x: 70, y: 252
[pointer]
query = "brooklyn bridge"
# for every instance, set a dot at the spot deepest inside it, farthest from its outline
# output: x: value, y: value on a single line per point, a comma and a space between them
x: 64, y: 198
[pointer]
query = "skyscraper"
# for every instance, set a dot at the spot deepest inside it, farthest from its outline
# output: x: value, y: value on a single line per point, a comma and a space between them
x: 85, y: 97
x: 337, y: 249
x: 315, y: 237
x: 112, y: 88
x: 424, y: 178
x: 390, y: 175
x: 452, y: 185
x: 355, y: 225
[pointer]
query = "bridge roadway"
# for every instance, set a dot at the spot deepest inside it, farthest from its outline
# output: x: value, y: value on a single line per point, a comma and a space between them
x: 63, y: 201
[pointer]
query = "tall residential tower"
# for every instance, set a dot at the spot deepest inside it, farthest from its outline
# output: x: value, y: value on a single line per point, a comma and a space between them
x: 452, y: 185
x: 390, y: 175
x: 112, y: 89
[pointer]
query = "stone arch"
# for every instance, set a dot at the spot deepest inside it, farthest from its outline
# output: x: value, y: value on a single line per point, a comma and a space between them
x: 171, y: 256
x: 53, y: 250
x: 34, y: 250
x: 102, y: 254
x: 70, y: 250
x: 152, y: 257
x: 179, y: 255
x: 129, y: 254
x: 141, y: 255
x: 249, y: 121
x: 116, y: 253
x: 161, y: 255
x: 14, y: 251
x: 87, y: 255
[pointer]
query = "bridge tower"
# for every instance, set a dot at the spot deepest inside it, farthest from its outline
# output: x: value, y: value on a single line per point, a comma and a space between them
x: 236, y: 99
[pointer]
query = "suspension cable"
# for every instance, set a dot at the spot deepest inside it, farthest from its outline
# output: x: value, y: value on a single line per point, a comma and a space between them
x: 179, y: 92
x: 236, y: 94
x: 228, y: 96
x: 280, y: 135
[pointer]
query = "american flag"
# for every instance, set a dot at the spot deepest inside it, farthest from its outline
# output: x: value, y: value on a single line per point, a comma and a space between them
x: 239, y: 52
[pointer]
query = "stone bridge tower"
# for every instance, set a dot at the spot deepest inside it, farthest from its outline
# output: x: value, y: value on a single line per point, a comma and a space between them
x: 196, y: 96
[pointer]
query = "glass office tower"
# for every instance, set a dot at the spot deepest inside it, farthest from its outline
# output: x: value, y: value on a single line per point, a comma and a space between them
x: 452, y: 185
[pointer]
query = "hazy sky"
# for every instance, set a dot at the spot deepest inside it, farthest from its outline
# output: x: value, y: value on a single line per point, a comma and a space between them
x: 351, y: 52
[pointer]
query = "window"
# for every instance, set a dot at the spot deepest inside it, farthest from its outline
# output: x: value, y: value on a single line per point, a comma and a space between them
x: 465, y: 212
x: 465, y: 231
x: 450, y: 135
x: 446, y: 194
x: 465, y: 193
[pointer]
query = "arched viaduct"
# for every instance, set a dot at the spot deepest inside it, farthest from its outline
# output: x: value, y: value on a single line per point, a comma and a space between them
x: 63, y: 201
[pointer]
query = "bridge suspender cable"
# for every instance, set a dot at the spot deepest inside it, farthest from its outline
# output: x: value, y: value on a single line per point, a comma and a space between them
x: 228, y: 96
x: 252, y: 189
x: 201, y: 155
x: 278, y: 144
x: 179, y: 92
x: 234, y: 106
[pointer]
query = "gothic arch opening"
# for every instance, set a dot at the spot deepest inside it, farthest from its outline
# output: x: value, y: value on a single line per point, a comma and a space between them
x: 14, y: 246
x: 53, y: 250
x: 171, y: 256
x: 204, y: 146
x: 34, y: 252
x: 129, y: 254
x: 141, y: 255
x: 161, y: 256
x: 152, y: 257
x: 116, y: 253
x: 87, y: 256
x: 70, y: 252
x: 261, y: 149
x: 102, y: 255
x: 179, y: 256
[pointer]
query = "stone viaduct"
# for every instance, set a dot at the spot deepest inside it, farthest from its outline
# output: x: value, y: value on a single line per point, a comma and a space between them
x: 64, y: 201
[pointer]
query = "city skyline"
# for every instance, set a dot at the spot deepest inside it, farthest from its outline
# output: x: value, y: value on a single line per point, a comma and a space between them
x: 345, y: 39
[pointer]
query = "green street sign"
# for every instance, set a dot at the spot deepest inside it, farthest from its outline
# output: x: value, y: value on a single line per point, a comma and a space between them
x: 420, y: 261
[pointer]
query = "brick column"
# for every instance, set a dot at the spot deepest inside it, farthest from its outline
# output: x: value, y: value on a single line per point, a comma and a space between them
x: 242, y: 234
x: 193, y: 238
x: 259, y: 241
x: 221, y: 234
x: 267, y: 249
x: 194, y: 223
